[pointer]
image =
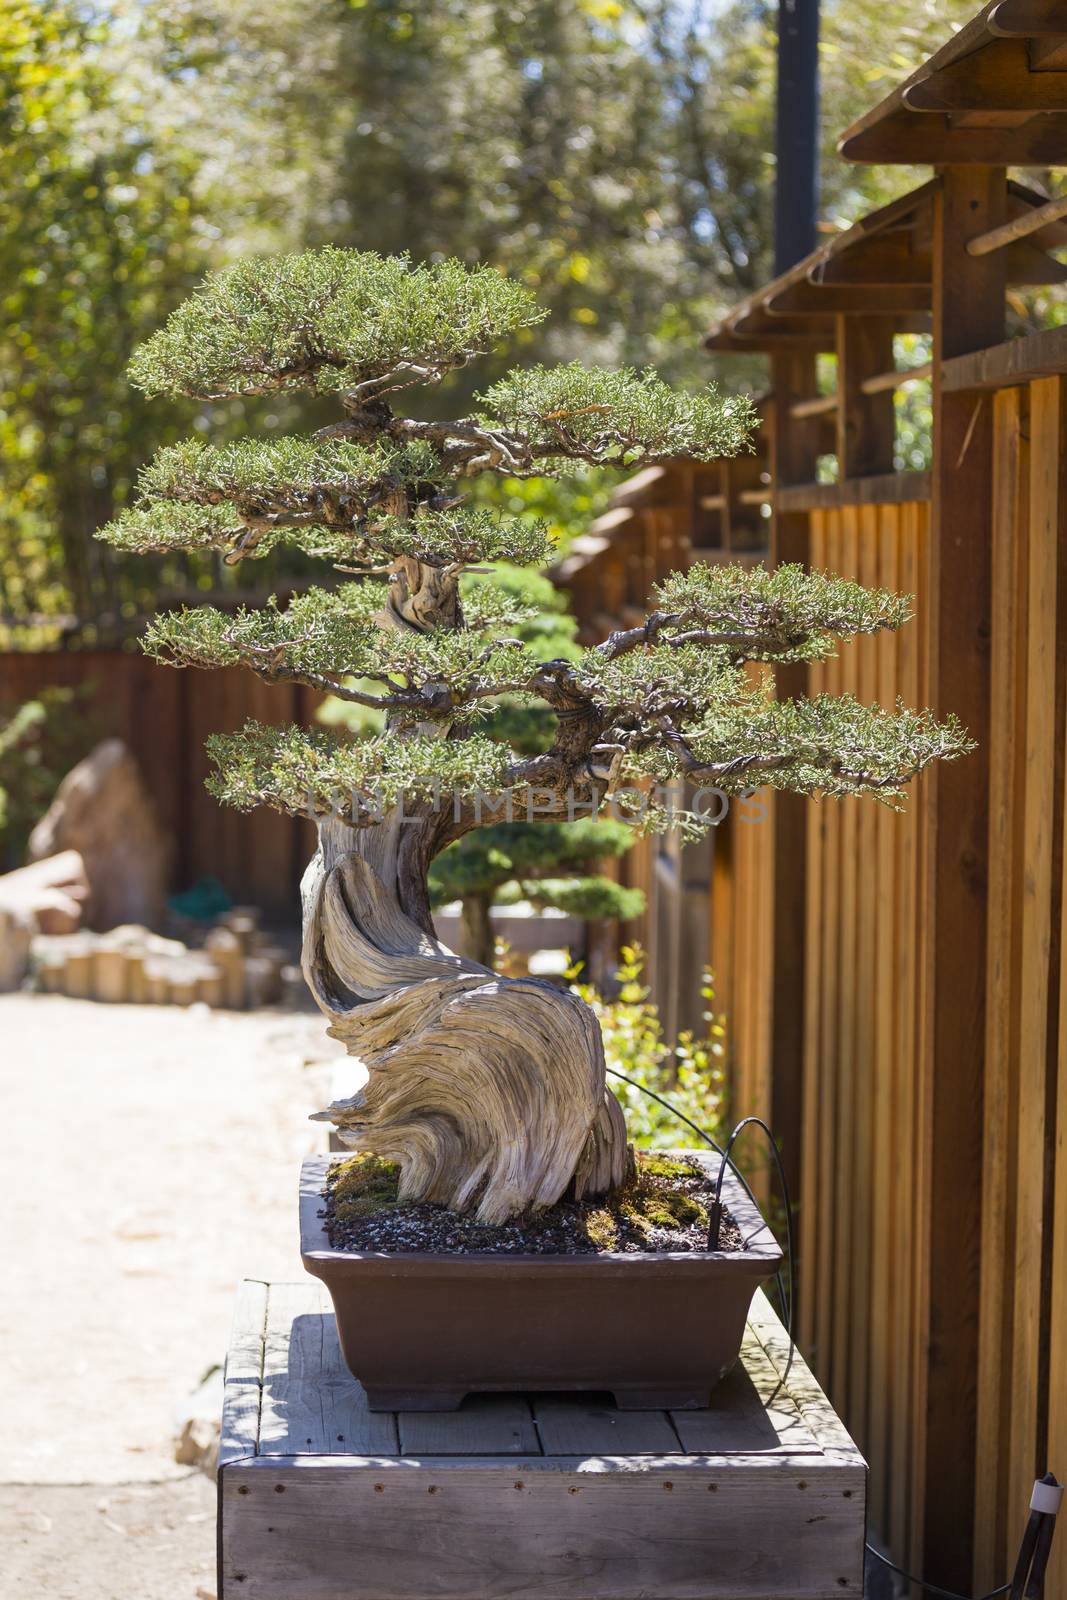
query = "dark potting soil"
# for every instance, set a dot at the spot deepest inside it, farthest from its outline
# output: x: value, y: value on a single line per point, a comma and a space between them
x: 664, y: 1209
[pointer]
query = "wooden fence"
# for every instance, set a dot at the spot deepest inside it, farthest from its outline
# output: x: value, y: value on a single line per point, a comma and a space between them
x: 896, y: 984
x: 164, y: 717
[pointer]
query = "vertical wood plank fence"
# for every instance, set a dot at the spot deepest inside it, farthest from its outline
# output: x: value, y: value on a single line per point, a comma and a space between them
x: 896, y: 983
x: 164, y: 717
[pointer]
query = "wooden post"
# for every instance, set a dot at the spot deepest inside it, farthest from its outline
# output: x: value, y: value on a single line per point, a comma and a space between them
x: 968, y: 307
x: 793, y: 448
x: 865, y: 422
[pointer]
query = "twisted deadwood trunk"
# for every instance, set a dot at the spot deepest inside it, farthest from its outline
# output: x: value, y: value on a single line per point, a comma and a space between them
x: 489, y: 1092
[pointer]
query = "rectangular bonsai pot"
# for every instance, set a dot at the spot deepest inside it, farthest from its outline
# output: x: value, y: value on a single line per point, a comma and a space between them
x: 422, y: 1330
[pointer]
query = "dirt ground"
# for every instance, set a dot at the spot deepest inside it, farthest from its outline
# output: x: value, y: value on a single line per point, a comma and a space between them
x: 150, y: 1157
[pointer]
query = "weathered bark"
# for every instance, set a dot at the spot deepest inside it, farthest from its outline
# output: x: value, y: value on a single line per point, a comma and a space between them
x: 489, y: 1092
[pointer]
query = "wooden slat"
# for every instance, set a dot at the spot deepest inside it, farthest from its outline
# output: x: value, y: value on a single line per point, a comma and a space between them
x: 865, y: 1063
x: 809, y: 1398
x: 882, y: 896
x: 914, y: 533
x: 582, y: 1428
x: 1006, y: 868
x: 751, y: 1413
x: 1057, y: 1311
x: 549, y: 1530
x: 846, y: 1307
x: 243, y: 1380
x: 830, y: 1187
x: 484, y: 1425
x: 1035, y: 355
x: 1041, y: 913
x: 885, y: 1132
x: 813, y: 1059
x: 893, y: 488
x: 311, y: 1403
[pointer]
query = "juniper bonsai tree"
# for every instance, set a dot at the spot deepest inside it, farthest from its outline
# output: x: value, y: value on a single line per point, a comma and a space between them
x: 488, y: 1092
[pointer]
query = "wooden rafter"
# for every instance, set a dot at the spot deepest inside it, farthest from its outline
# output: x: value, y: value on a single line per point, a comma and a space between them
x: 994, y: 94
x: 847, y: 298
x: 999, y: 75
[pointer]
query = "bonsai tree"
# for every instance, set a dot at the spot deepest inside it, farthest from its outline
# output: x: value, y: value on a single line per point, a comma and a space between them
x: 549, y: 864
x: 488, y: 1092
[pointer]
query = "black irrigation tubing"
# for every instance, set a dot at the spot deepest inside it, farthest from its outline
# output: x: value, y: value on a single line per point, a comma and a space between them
x: 1015, y: 1586
x: 933, y: 1588
x: 727, y: 1161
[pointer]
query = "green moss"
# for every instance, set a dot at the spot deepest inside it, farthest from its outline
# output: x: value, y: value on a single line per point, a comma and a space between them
x: 656, y: 1197
x: 654, y: 1164
x: 362, y: 1185
x: 602, y: 1229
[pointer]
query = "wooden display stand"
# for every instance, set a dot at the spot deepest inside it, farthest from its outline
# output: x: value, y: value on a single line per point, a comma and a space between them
x: 536, y: 1498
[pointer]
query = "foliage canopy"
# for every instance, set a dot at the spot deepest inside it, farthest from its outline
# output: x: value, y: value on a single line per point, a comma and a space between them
x: 381, y: 494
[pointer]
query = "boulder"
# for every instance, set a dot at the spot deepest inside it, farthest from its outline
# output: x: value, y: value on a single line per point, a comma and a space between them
x: 103, y: 810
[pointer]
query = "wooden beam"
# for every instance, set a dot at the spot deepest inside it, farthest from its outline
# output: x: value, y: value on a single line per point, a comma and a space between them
x: 1027, y: 19
x: 879, y: 382
x: 1027, y: 267
x: 847, y: 298
x: 866, y: 423
x: 920, y: 140
x: 731, y: 344
x: 1036, y: 355
x: 1019, y: 227
x: 1048, y: 55
x: 968, y: 312
x: 894, y: 488
x: 817, y: 405
x: 996, y: 76
x: 754, y: 322
x: 887, y: 260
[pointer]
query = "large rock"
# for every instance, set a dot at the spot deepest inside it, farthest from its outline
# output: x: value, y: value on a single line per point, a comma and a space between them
x: 103, y: 810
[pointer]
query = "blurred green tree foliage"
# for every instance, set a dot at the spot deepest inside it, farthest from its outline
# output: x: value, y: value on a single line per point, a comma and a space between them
x: 617, y: 155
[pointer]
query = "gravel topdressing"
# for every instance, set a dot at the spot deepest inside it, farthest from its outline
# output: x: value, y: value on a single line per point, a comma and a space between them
x: 617, y: 1225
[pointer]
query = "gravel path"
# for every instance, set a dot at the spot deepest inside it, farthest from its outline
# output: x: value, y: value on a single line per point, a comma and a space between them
x: 151, y: 1158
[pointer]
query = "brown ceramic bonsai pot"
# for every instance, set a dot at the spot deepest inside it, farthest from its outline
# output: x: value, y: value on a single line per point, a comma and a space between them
x: 420, y: 1331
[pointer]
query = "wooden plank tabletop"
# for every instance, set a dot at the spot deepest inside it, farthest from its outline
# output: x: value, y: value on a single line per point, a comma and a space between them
x: 289, y: 1394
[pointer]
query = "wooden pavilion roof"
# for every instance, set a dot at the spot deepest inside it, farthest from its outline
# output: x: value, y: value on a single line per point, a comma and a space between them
x: 994, y: 94
x: 882, y: 265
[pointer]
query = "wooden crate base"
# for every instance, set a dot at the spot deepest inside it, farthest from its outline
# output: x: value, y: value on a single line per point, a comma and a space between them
x: 535, y: 1498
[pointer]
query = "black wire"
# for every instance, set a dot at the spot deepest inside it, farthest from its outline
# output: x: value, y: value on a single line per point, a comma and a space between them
x: 933, y: 1588
x: 727, y: 1161
x: 758, y: 1122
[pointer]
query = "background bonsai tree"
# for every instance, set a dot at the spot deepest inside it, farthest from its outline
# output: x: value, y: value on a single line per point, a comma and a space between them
x: 549, y: 864
x: 489, y: 1092
x: 552, y: 865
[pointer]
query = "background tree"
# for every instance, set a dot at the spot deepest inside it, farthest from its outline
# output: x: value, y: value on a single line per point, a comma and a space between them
x: 532, y: 861
x: 616, y: 155
x: 489, y: 1093
x: 548, y: 864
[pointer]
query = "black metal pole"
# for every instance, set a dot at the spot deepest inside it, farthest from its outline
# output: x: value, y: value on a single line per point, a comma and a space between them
x: 796, y: 132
